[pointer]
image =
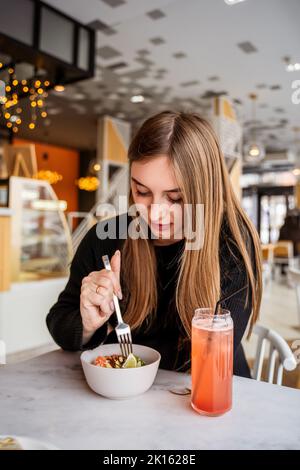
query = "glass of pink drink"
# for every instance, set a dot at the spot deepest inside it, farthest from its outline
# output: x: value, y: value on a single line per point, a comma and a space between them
x: 212, y: 361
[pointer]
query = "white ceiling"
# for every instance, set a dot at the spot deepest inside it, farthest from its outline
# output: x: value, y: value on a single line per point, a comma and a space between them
x: 207, y: 32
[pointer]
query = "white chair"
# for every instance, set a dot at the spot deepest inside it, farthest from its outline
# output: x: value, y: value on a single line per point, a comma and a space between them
x: 294, y: 279
x: 280, y: 354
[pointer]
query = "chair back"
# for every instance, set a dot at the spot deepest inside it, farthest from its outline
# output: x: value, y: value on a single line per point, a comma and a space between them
x: 280, y: 355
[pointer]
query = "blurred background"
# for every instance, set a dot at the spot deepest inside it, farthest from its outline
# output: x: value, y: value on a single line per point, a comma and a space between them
x: 77, y: 79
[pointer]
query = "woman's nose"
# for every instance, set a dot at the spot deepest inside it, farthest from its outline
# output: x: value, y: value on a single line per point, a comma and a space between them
x: 159, y: 212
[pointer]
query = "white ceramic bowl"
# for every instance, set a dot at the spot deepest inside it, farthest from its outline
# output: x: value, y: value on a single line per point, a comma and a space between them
x: 120, y: 383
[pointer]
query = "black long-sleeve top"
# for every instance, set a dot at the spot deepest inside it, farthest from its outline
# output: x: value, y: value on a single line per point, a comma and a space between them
x: 166, y: 333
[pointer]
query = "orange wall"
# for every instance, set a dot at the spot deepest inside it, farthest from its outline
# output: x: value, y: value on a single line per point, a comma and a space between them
x: 66, y: 162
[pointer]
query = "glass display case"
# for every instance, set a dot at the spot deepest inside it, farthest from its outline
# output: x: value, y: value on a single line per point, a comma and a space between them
x: 41, y: 240
x: 3, y: 192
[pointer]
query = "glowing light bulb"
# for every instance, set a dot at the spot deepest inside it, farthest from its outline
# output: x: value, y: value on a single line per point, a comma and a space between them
x: 137, y: 99
x: 59, y: 88
x: 254, y: 151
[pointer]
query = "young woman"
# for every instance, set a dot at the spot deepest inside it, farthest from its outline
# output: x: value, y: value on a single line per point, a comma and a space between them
x: 174, y: 159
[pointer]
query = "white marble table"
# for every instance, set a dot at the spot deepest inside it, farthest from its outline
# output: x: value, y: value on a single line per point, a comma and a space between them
x: 47, y: 398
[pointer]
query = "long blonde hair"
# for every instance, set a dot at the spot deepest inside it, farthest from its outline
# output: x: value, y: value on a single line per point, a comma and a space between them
x: 200, y: 169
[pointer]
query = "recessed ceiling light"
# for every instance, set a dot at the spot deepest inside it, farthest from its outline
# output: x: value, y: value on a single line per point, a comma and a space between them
x: 293, y: 67
x: 137, y: 99
x: 59, y: 88
x: 233, y: 2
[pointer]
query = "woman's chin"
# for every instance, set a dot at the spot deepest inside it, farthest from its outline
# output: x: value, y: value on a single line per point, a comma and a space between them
x: 162, y: 231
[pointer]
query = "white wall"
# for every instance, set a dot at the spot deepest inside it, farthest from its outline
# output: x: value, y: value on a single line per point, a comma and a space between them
x: 23, y: 311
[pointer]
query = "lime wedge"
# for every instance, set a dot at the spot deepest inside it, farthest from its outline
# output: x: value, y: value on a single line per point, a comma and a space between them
x: 130, y: 362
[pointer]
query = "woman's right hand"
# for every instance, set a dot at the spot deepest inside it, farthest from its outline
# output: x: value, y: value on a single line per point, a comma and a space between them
x: 96, y: 298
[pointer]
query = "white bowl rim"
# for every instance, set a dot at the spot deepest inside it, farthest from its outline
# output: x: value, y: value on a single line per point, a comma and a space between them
x: 124, y: 369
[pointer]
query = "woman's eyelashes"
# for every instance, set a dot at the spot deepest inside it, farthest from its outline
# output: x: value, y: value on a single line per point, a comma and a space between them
x: 148, y: 194
x: 175, y: 201
x: 140, y: 193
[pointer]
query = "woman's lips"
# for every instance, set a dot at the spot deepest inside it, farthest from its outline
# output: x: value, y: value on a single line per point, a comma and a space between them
x: 160, y: 226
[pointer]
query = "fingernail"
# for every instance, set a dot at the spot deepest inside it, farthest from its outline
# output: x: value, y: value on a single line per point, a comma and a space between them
x: 112, y: 306
x: 120, y: 295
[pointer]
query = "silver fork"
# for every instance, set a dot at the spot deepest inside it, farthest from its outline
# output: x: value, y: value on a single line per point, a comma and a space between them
x: 122, y: 329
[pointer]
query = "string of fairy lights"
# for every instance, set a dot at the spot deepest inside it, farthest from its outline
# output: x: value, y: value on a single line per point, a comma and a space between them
x: 32, y: 94
x: 23, y: 94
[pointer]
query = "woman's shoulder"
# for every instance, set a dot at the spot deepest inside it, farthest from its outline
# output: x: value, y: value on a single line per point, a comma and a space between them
x: 230, y: 254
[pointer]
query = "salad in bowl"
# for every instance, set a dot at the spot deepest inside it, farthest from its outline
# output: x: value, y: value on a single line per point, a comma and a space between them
x: 112, y: 375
